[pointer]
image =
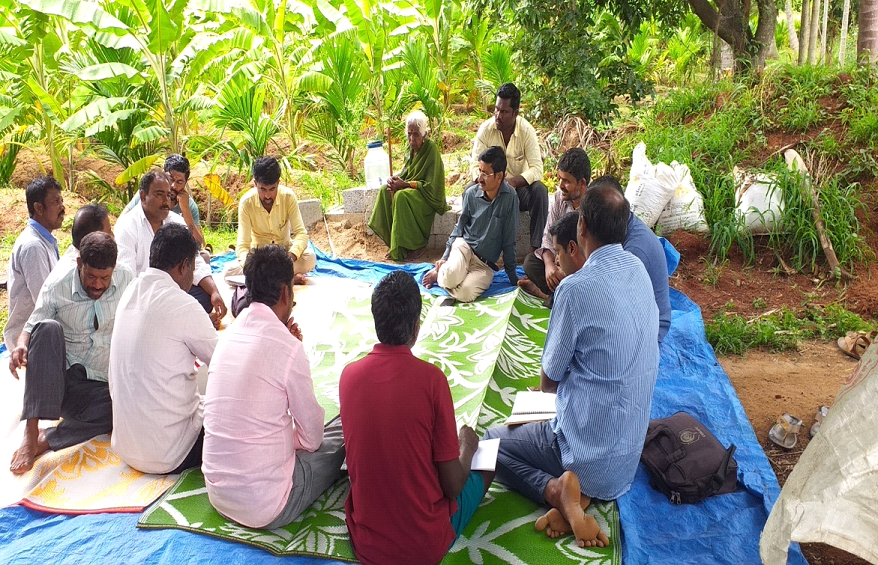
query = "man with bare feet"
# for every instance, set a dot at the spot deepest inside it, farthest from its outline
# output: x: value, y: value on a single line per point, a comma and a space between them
x: 412, y: 491
x: 65, y: 346
x: 268, y: 214
x: 542, y: 274
x: 488, y: 225
x: 601, y: 359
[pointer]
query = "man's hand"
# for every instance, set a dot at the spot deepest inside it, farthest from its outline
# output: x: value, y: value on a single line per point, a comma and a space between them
x: 218, y: 306
x: 554, y: 275
x: 431, y: 276
x: 294, y: 329
x: 18, y: 358
x: 469, y: 441
x: 516, y: 182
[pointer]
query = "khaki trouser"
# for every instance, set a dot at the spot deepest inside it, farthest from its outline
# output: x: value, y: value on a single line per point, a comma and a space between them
x: 304, y: 264
x: 464, y: 275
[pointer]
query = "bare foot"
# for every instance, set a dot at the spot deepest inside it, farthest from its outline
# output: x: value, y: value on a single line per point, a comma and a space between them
x: 554, y: 523
x: 415, y: 254
x: 585, y: 528
x: 531, y: 288
x: 299, y: 278
x: 32, y: 446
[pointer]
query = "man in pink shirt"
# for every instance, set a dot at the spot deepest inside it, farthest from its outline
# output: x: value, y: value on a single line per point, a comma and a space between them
x: 266, y: 454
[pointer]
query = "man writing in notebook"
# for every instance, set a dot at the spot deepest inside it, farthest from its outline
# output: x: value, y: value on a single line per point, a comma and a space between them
x: 601, y: 359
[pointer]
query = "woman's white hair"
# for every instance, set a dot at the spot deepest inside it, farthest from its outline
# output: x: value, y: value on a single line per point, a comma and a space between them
x: 419, y: 119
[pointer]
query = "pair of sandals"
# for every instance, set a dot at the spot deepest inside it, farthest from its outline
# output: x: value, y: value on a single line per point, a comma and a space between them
x: 785, y: 432
x: 855, y: 344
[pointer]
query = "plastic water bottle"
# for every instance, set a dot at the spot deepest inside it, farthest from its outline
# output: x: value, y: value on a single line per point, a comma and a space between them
x: 377, y: 165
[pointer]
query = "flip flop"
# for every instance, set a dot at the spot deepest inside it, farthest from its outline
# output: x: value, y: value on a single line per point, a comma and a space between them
x: 821, y: 413
x: 854, y: 344
x: 785, y: 432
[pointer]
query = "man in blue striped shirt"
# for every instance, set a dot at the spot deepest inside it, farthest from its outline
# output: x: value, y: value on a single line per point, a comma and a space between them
x: 65, y: 346
x: 601, y: 359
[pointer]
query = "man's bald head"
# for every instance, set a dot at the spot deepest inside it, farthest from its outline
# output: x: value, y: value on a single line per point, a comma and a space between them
x: 604, y: 213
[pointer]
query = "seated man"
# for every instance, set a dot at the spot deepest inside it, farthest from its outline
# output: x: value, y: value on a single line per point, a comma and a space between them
x: 488, y: 224
x: 157, y: 411
x: 412, y: 491
x: 177, y: 169
x: 518, y: 139
x: 267, y: 456
x: 642, y: 242
x: 601, y: 358
x: 565, y: 245
x: 542, y: 274
x: 90, y: 218
x: 268, y: 214
x: 34, y: 253
x: 135, y: 231
x: 65, y: 346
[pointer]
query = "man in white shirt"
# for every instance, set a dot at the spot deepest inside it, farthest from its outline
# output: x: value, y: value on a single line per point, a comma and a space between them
x: 34, y: 254
x: 135, y: 230
x: 65, y: 346
x: 157, y: 411
x: 524, y: 168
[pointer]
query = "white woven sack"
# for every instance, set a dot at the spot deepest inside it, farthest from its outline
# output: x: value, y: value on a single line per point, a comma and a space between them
x: 685, y: 209
x: 758, y: 201
x: 647, y: 194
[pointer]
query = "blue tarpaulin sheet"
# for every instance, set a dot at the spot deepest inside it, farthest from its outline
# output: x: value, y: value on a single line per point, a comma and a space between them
x: 722, y: 529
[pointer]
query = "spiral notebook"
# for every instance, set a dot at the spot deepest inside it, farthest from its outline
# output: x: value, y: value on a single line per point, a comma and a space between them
x: 531, y: 406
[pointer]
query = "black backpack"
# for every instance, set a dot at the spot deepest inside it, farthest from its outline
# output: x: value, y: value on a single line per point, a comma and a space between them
x: 685, y: 461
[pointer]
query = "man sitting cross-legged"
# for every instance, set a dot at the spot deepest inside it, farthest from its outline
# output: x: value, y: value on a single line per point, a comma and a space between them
x: 412, y: 492
x: 65, y: 345
x: 157, y: 411
x: 267, y: 456
x: 601, y: 358
x: 487, y: 225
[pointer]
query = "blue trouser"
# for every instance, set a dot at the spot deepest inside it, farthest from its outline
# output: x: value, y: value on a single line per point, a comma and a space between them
x: 528, y: 459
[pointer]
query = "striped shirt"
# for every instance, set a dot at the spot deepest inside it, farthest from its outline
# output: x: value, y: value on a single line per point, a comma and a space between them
x: 601, y: 348
x: 63, y: 299
x: 34, y: 255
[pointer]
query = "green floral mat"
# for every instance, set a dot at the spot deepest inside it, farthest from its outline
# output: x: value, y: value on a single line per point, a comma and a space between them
x: 489, y: 350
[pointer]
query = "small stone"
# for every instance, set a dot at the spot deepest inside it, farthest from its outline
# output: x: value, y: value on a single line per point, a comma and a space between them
x: 346, y: 225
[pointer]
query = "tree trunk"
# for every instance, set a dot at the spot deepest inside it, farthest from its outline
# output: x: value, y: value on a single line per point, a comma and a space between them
x: 805, y: 28
x: 731, y: 24
x: 791, y: 25
x: 823, y: 38
x: 845, y: 21
x: 766, y: 45
x: 867, y: 36
x: 812, y: 35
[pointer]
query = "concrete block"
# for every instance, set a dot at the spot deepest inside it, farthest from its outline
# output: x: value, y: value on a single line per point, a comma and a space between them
x: 359, y: 200
x: 311, y: 211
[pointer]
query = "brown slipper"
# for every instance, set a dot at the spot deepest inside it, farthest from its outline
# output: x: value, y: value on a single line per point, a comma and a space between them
x: 855, y: 344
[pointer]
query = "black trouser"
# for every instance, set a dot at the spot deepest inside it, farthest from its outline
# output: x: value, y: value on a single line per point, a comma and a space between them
x: 535, y: 270
x: 534, y: 198
x: 202, y: 297
x: 52, y: 392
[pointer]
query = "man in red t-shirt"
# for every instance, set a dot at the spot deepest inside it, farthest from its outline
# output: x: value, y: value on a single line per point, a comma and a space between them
x: 412, y: 491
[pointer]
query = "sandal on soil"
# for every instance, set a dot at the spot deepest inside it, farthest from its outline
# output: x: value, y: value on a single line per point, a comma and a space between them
x: 785, y: 432
x: 821, y: 413
x: 855, y: 344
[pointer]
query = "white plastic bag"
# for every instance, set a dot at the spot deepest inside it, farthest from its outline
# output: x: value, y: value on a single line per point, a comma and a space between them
x: 758, y: 201
x: 647, y: 193
x: 685, y: 209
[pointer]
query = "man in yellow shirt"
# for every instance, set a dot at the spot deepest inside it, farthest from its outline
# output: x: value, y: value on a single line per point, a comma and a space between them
x: 524, y: 161
x: 268, y: 214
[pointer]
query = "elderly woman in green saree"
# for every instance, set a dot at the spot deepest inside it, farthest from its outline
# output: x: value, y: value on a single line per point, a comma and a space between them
x: 403, y: 213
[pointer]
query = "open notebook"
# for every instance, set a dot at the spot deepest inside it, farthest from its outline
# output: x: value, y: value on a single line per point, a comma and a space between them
x: 532, y: 406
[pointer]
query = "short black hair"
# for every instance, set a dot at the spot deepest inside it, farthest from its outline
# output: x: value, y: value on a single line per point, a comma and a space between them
x: 564, y: 229
x: 509, y: 91
x: 266, y: 270
x: 177, y: 162
x: 37, y: 191
x: 98, y: 250
x: 575, y: 162
x: 396, y: 308
x: 605, y: 213
x: 171, y: 245
x: 266, y: 170
x: 607, y: 180
x: 149, y: 178
x: 90, y: 218
x: 496, y: 157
